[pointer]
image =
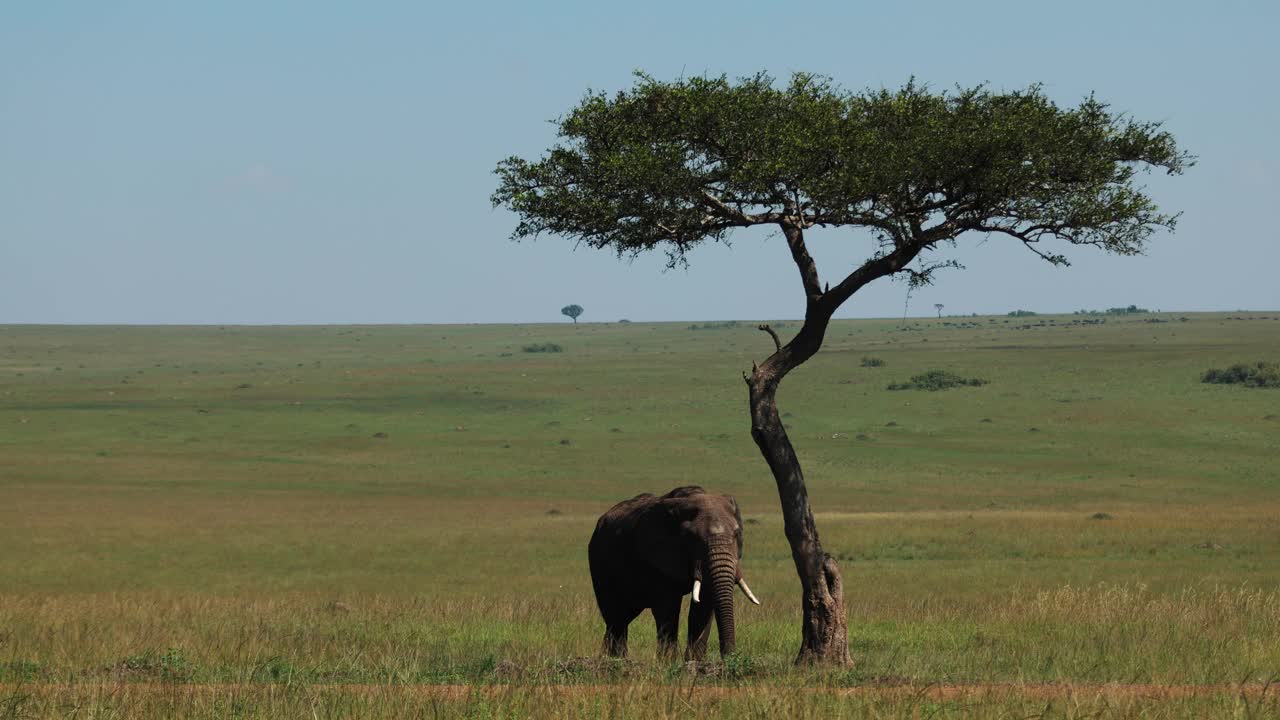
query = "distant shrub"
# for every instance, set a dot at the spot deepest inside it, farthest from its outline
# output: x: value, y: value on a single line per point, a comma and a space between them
x: 936, y: 380
x: 722, y: 325
x: 1259, y: 374
x: 1131, y: 310
x: 543, y: 348
x: 868, y: 361
x: 1023, y: 313
x: 623, y: 320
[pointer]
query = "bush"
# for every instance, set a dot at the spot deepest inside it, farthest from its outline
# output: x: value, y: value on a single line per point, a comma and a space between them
x: 872, y: 362
x: 739, y: 666
x: 1259, y: 374
x: 172, y: 665
x: 543, y: 348
x: 1023, y: 313
x: 721, y: 325
x: 936, y: 380
x: 19, y: 671
x: 1131, y: 310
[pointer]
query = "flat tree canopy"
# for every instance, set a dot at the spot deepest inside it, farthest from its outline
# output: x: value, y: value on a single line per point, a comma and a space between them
x: 669, y: 165
x: 572, y: 311
x: 674, y: 164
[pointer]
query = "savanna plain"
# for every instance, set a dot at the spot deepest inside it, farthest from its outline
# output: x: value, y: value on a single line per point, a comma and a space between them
x: 391, y: 521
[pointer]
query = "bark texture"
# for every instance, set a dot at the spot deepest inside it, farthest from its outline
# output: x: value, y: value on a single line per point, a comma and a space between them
x: 825, y: 634
x: 825, y: 637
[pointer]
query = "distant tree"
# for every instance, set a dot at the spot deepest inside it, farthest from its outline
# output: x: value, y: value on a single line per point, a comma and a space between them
x: 573, y: 311
x: 671, y: 165
x: 938, y: 307
x: 1131, y: 310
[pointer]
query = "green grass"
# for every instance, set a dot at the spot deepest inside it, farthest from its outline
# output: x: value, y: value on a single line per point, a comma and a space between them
x: 231, y: 510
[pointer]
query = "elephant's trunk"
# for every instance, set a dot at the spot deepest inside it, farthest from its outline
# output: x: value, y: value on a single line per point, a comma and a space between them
x: 723, y: 579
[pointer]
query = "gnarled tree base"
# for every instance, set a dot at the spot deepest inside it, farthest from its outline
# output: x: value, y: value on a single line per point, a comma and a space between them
x: 826, y: 632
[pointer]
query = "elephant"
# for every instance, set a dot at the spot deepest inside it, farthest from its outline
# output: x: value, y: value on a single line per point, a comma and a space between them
x: 649, y: 552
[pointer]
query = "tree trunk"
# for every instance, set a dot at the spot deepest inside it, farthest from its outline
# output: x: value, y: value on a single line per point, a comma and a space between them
x: 825, y: 635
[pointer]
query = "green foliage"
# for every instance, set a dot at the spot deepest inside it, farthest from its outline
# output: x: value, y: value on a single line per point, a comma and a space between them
x: 874, y: 362
x: 1261, y: 374
x: 740, y: 666
x: 276, y: 669
x: 673, y: 164
x: 936, y: 380
x: 172, y: 664
x: 547, y: 347
x: 571, y: 311
x: 1023, y: 313
x: 20, y: 671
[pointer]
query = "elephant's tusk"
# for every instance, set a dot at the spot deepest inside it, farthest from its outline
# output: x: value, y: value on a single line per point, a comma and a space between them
x: 750, y: 595
x: 697, y: 590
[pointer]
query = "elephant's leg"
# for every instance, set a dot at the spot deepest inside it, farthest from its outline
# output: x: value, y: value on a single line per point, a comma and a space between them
x: 667, y: 615
x: 615, y: 640
x: 615, y: 631
x: 699, y: 629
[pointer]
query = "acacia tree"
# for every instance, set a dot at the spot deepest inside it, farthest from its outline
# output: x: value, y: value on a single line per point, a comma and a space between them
x: 671, y: 165
x: 572, y: 311
x: 938, y: 307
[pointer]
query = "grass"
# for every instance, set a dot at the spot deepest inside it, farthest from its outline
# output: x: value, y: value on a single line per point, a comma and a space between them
x: 292, y: 520
x: 641, y: 700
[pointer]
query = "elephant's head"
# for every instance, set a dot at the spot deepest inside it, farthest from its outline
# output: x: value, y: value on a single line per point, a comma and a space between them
x: 696, y: 540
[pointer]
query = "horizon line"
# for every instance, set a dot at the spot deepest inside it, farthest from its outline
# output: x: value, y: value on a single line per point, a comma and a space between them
x: 1035, y: 313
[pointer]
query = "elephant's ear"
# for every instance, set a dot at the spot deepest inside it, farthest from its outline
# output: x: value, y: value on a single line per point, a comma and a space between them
x: 661, y: 543
x: 737, y: 515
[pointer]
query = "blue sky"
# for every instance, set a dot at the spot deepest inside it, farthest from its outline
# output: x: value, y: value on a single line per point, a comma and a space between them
x: 323, y: 162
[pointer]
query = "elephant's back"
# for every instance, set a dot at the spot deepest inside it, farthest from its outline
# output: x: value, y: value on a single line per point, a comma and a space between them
x: 622, y: 517
x: 608, y: 544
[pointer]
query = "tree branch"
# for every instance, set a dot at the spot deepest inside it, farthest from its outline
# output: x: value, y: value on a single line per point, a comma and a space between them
x: 895, y: 261
x: 777, y: 344
x: 803, y: 260
x: 737, y: 216
x: 1027, y: 236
